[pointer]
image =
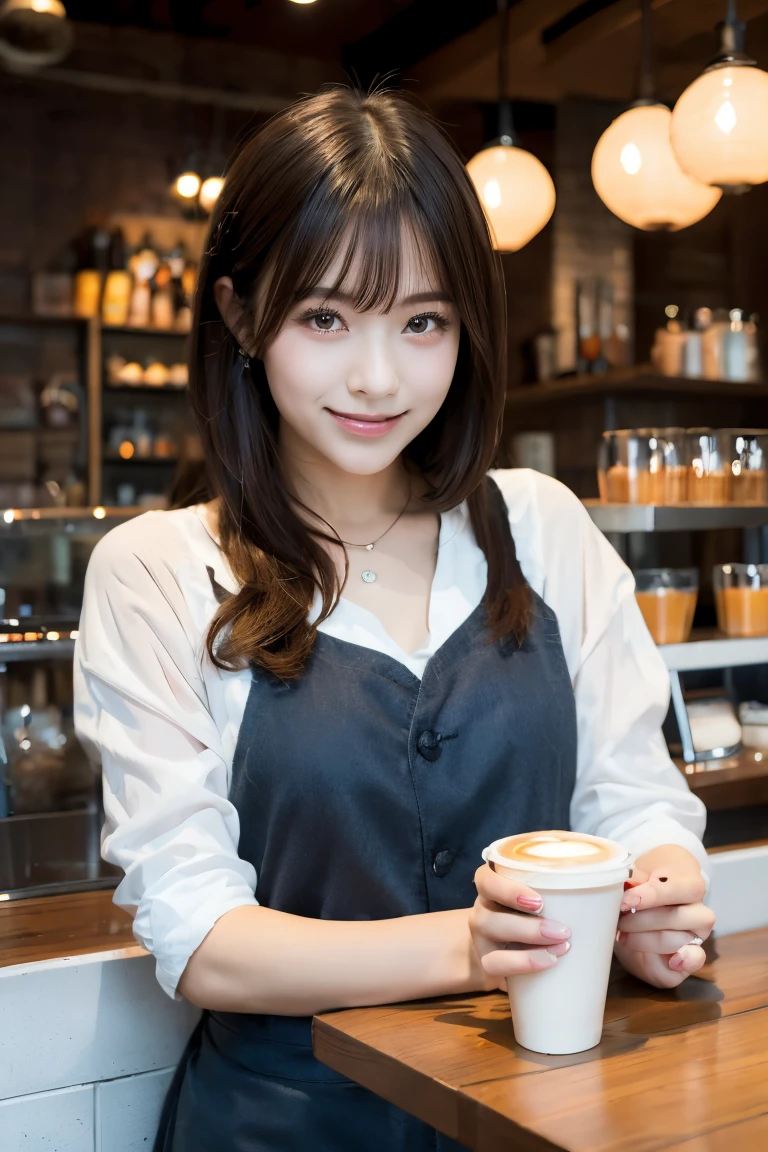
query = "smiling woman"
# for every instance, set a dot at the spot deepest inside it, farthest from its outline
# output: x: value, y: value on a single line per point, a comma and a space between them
x: 272, y: 677
x: 363, y: 202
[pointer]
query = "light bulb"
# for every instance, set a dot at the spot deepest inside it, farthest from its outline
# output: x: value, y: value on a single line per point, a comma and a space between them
x: 187, y: 185
x: 719, y: 127
x: 636, y: 175
x: 516, y: 192
x: 210, y: 192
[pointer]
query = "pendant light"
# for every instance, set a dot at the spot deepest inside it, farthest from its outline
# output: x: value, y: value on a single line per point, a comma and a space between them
x: 719, y: 131
x: 634, y: 170
x: 514, y: 187
x: 33, y: 33
x: 210, y: 191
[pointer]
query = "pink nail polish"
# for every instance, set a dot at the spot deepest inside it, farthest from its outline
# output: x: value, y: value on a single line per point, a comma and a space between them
x: 530, y: 903
x: 559, y: 949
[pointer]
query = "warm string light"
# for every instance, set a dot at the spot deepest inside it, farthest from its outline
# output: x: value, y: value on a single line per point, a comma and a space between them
x: 187, y: 185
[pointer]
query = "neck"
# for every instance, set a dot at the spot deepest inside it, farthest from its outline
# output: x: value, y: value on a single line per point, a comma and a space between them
x: 351, y: 503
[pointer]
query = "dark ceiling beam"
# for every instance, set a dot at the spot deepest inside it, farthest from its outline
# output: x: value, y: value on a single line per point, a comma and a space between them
x: 410, y: 35
x: 441, y: 70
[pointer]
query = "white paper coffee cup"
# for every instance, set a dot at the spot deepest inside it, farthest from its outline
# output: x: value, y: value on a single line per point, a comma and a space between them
x: 560, y: 1010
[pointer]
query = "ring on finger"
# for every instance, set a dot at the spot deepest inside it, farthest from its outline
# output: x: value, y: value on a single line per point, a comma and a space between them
x: 695, y: 940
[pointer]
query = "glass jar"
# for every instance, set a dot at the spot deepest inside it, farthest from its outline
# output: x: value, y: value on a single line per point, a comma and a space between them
x: 708, y: 467
x: 642, y: 466
x: 667, y: 599
x: 745, y: 452
x: 741, y: 598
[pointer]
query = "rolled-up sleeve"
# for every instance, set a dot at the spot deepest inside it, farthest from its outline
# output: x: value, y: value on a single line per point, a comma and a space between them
x: 141, y: 710
x: 627, y: 787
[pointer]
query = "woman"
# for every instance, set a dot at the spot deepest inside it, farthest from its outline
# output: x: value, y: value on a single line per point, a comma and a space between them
x: 317, y: 697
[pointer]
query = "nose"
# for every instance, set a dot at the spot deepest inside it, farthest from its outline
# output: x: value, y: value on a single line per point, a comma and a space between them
x: 373, y: 373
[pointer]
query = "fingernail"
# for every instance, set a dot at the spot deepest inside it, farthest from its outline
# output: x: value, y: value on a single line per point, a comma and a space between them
x: 531, y: 903
x: 554, y: 931
x: 621, y: 937
x: 676, y: 962
x: 559, y: 949
x: 545, y: 958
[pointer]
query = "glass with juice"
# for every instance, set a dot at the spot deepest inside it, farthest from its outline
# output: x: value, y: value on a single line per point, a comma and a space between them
x: 667, y: 600
x: 643, y: 466
x: 741, y: 597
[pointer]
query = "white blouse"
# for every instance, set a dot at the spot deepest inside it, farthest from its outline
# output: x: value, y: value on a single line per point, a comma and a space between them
x: 163, y: 721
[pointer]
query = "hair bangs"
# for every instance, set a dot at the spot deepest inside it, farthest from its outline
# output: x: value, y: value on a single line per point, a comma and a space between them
x: 365, y: 238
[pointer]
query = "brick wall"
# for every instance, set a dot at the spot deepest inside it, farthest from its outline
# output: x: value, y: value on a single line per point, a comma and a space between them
x: 587, y: 240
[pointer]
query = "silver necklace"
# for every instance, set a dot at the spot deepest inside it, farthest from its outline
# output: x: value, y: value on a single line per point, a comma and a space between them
x: 367, y: 575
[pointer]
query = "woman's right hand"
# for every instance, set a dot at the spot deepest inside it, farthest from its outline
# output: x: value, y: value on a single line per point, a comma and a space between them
x: 507, y: 938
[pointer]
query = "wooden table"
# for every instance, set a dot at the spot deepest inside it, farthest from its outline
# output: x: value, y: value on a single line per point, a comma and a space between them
x: 685, y: 1070
x: 73, y: 924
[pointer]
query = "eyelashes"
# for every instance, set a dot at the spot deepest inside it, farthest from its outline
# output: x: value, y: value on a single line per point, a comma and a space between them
x: 439, y: 319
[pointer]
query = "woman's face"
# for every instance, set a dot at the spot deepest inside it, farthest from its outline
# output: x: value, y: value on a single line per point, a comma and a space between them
x: 355, y: 388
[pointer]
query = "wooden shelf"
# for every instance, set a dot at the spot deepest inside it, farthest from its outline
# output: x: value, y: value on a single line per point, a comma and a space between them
x: 145, y: 390
x: 78, y: 514
x: 129, y: 330
x: 640, y: 378
x: 150, y: 460
x: 736, y: 782
x: 41, y: 321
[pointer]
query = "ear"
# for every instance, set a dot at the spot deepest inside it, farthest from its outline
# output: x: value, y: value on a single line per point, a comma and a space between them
x: 233, y: 312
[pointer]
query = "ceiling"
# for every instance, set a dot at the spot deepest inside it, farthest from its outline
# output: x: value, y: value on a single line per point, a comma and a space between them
x: 447, y: 49
x: 558, y: 49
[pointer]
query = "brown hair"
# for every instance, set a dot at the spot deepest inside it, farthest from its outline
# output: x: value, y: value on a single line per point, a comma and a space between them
x: 341, y: 163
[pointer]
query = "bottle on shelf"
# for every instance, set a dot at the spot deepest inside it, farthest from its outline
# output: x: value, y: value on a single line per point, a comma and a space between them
x: 116, y: 300
x: 143, y: 264
x: 93, y: 250
x: 163, y: 308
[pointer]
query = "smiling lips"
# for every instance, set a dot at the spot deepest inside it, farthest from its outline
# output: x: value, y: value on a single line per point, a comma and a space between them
x: 366, y: 425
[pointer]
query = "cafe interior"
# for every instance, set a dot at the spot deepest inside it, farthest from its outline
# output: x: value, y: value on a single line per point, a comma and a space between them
x: 620, y: 151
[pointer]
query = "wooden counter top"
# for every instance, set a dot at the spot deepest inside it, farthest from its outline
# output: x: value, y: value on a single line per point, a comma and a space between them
x: 52, y: 927
x: 684, y: 1071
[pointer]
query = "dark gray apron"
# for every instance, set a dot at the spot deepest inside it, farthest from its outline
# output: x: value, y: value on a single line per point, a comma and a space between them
x: 365, y: 793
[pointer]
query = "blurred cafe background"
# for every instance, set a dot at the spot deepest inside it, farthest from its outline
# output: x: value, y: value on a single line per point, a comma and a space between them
x: 620, y: 148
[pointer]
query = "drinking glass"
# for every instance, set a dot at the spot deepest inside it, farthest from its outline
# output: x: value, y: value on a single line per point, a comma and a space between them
x: 741, y: 598
x: 667, y: 599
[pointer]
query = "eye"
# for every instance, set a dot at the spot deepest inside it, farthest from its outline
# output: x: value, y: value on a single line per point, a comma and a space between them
x: 419, y: 325
x: 325, y: 320
x: 321, y: 319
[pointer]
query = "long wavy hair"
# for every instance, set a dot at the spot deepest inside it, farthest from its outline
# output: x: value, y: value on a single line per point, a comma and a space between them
x: 341, y: 167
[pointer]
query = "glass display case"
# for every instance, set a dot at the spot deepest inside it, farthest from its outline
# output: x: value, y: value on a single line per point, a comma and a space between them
x: 50, y: 795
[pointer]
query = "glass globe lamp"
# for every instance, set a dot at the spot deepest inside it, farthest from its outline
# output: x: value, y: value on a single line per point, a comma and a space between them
x: 637, y: 177
x: 719, y: 127
x: 516, y: 192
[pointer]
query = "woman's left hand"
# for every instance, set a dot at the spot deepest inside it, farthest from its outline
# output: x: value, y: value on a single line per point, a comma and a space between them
x: 653, y: 942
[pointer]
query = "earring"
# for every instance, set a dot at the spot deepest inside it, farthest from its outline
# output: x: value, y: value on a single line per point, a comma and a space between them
x: 246, y: 357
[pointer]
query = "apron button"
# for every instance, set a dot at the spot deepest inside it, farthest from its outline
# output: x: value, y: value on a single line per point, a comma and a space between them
x: 443, y: 862
x: 428, y: 745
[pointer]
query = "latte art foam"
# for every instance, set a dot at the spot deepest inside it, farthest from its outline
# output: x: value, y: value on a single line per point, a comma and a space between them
x: 553, y: 850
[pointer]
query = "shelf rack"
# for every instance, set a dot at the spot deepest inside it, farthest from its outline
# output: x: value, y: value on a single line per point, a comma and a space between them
x: 705, y: 649
x: 621, y: 518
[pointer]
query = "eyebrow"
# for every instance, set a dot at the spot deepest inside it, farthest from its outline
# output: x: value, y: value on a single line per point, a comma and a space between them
x: 415, y: 298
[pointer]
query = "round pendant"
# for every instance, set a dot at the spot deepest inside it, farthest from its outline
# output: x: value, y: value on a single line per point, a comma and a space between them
x: 368, y: 576
x: 369, y: 547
